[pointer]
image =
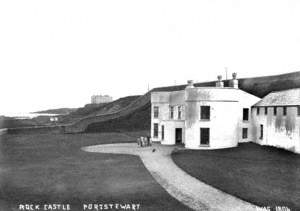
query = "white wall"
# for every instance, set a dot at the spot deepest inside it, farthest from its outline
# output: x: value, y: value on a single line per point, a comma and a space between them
x: 170, y: 127
x: 246, y: 101
x: 279, y: 131
x: 164, y: 100
x: 223, y: 125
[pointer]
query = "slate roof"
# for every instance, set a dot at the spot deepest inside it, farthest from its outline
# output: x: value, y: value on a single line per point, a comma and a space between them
x: 281, y: 98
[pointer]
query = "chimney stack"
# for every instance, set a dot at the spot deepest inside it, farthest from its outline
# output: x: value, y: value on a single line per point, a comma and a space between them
x: 234, y: 82
x: 219, y: 83
x: 190, y: 84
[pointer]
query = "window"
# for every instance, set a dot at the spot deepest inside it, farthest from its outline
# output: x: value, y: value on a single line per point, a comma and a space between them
x: 261, y: 132
x: 205, y: 112
x: 275, y: 111
x: 179, y: 112
x: 245, y: 114
x: 245, y: 133
x: 284, y: 111
x: 266, y: 110
x: 155, y: 130
x: 298, y: 110
x: 171, y: 112
x: 156, y: 111
x: 162, y: 132
x: 257, y: 111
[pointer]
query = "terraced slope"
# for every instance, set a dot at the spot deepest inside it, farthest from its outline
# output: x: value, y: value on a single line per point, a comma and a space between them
x: 137, y: 113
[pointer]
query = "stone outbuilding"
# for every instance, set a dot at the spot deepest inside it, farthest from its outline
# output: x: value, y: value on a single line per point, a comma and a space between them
x: 203, y: 117
x: 276, y: 120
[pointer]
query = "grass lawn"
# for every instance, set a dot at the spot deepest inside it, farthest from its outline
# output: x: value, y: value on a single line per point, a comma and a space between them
x: 51, y: 168
x: 265, y: 176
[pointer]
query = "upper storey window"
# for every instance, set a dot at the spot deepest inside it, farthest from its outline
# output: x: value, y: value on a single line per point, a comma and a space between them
x: 257, y: 111
x: 298, y: 110
x: 171, y: 112
x: 266, y: 110
x: 179, y: 112
x: 245, y: 114
x: 156, y: 111
x: 284, y: 111
x: 275, y: 111
x: 205, y: 112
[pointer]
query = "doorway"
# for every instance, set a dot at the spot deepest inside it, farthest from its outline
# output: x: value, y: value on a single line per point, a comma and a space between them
x: 178, y: 135
x: 204, y: 136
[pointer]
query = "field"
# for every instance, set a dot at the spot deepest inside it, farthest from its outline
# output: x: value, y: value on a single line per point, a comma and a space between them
x: 51, y: 168
x: 265, y: 176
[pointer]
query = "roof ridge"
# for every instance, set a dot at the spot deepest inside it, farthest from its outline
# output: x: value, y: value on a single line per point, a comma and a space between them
x: 283, y: 90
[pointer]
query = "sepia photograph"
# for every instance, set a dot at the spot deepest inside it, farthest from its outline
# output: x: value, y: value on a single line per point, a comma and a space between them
x: 161, y: 105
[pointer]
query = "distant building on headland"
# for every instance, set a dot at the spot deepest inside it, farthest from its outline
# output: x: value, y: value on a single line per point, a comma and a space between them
x: 97, y: 99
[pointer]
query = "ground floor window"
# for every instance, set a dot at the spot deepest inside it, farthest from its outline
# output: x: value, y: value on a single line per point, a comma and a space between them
x: 261, y: 132
x: 155, y: 130
x: 162, y: 132
x: 245, y: 133
x: 204, y: 136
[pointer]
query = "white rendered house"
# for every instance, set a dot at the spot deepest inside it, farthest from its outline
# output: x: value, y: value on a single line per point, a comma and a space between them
x: 203, y: 117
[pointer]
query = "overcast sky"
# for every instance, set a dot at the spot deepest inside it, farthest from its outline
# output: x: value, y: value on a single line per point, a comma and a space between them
x: 59, y: 53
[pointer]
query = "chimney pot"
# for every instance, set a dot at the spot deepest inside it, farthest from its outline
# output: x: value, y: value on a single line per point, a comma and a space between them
x: 219, y: 83
x: 219, y: 78
x: 190, y: 84
x: 234, y: 75
x: 234, y: 82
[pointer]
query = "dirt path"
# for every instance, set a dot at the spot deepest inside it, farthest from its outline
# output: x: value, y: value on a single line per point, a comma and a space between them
x: 185, y: 188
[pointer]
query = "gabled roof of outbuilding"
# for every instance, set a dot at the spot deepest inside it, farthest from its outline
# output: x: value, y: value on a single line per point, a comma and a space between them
x: 281, y: 98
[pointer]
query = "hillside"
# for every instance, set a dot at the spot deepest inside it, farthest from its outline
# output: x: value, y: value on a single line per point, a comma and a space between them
x: 92, y: 110
x: 258, y: 86
x: 81, y: 124
x: 67, y: 115
x: 138, y: 112
x: 59, y: 111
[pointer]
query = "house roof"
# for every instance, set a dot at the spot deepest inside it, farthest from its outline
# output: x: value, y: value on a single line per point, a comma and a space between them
x: 281, y: 98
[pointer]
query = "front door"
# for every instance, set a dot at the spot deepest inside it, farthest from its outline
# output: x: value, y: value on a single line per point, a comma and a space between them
x: 178, y: 135
x: 204, y: 136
